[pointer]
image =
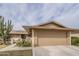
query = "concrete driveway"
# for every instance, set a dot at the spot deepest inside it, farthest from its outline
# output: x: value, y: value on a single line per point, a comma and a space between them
x: 56, y: 51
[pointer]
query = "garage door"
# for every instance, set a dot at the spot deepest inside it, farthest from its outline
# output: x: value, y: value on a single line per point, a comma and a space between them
x: 51, y: 37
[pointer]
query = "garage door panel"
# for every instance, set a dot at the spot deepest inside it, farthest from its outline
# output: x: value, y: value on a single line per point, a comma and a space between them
x: 51, y: 37
x: 51, y: 42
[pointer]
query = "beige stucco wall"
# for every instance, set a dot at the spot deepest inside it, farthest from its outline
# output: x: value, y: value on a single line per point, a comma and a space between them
x: 50, y: 37
x: 16, y: 37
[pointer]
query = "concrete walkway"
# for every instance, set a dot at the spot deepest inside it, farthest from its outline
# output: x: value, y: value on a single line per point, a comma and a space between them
x: 56, y: 51
x: 13, y: 47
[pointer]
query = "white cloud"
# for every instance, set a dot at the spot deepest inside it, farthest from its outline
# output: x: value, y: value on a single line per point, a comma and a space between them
x: 24, y: 14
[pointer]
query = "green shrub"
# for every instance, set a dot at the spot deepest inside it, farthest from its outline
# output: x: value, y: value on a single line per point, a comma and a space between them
x: 23, y: 43
x: 77, y: 44
x: 75, y: 41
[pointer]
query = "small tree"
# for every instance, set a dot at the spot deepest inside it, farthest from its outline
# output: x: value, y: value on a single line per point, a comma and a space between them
x: 5, y: 29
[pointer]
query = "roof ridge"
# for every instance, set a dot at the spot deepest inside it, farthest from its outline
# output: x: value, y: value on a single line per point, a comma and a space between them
x: 53, y: 22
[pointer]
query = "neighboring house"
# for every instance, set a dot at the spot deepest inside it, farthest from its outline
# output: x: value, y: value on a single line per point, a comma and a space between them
x: 51, y: 33
x: 18, y: 35
x: 75, y: 33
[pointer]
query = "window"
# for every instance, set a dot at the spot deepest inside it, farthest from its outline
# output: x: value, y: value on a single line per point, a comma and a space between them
x: 23, y: 36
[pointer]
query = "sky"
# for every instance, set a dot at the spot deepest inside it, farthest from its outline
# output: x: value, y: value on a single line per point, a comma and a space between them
x: 33, y: 14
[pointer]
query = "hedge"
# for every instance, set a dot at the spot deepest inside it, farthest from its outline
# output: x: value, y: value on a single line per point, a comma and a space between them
x: 75, y: 41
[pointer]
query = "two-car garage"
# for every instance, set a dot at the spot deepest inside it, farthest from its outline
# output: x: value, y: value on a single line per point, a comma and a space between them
x: 45, y: 37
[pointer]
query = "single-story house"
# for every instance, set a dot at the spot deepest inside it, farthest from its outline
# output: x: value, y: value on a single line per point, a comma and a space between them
x: 51, y: 33
x: 18, y: 35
